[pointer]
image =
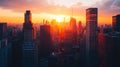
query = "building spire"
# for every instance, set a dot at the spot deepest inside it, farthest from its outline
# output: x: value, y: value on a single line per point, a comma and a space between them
x: 28, y: 17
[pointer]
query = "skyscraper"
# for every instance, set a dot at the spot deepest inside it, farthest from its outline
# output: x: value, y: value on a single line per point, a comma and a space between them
x: 91, y: 36
x: 73, y: 23
x: 45, y: 41
x: 3, y: 35
x: 116, y: 23
x: 73, y: 27
x: 80, y: 33
x: 28, y: 29
x: 3, y: 30
x: 108, y: 48
x: 29, y: 46
x: 3, y: 45
x: 45, y: 46
x: 80, y: 26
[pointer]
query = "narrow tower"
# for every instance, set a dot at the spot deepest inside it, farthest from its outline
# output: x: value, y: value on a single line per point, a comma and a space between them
x: 91, y: 36
x: 29, y: 47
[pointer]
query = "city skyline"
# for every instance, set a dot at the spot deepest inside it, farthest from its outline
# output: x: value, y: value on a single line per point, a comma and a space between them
x: 61, y: 44
x: 12, y: 11
x: 59, y: 33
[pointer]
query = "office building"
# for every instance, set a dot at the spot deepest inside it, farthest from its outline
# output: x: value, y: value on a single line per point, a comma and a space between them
x: 116, y: 23
x: 3, y: 45
x: 45, y: 41
x: 91, y: 36
x: 29, y: 46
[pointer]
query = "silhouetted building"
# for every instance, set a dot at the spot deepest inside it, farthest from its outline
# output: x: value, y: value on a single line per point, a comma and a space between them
x: 4, y: 56
x: 107, y: 29
x: 15, y: 41
x: 73, y: 23
x: 101, y: 28
x: 3, y: 30
x: 3, y: 34
x: 113, y: 51
x: 116, y: 23
x: 73, y: 27
x: 3, y: 45
x: 102, y: 49
x: 29, y: 46
x: 109, y: 51
x: 80, y: 27
x: 28, y: 29
x: 44, y: 48
x: 80, y: 33
x: 91, y: 36
x: 54, y: 32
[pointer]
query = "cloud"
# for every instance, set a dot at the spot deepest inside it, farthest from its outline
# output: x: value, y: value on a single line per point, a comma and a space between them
x: 109, y: 6
x: 20, y: 5
x: 39, y: 6
x: 116, y: 5
x: 49, y: 6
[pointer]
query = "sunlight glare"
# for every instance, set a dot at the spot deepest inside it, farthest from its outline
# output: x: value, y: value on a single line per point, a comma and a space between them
x: 60, y: 18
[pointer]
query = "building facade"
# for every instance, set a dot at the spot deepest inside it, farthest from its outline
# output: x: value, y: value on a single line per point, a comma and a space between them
x: 3, y: 45
x: 116, y: 23
x: 91, y: 36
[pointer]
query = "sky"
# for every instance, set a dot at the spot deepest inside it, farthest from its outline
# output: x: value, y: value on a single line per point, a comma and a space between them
x: 13, y: 10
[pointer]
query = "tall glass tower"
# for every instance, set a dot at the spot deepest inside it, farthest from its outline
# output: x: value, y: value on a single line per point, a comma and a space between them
x: 91, y: 36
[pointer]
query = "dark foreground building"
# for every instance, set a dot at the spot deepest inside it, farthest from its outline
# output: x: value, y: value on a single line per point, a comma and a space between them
x: 29, y: 46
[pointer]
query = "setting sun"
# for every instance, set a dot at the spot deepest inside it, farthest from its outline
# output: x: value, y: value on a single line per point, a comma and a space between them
x: 60, y: 18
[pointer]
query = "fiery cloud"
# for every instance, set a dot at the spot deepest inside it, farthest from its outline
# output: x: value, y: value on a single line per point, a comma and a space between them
x: 65, y: 7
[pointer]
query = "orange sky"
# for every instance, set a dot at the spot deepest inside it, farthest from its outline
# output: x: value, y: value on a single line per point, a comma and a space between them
x: 13, y: 11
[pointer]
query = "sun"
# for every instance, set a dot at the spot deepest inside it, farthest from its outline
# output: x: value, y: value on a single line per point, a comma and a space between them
x: 59, y: 18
